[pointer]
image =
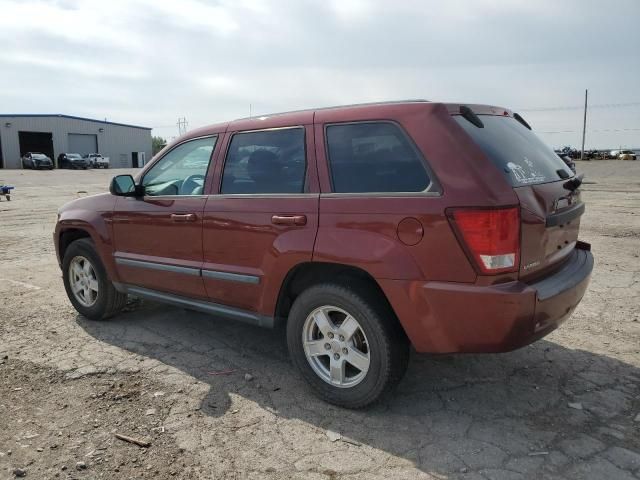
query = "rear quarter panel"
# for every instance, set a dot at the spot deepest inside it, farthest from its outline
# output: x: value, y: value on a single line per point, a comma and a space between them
x: 361, y: 229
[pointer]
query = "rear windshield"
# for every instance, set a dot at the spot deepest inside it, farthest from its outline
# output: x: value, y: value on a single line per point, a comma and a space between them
x: 516, y: 150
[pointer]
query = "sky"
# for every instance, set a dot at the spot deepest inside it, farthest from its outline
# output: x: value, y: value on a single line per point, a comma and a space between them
x: 148, y: 62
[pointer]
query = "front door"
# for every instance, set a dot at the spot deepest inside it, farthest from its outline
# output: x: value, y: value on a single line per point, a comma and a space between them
x: 158, y: 238
x: 265, y: 219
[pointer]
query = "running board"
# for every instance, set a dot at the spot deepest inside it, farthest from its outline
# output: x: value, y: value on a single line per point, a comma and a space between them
x: 211, y: 308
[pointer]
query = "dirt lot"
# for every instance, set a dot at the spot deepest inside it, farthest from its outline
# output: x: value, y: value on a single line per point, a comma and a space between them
x: 565, y: 407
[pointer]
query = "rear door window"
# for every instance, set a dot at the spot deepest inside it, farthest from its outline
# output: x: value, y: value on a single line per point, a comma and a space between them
x: 267, y: 161
x: 522, y: 157
x: 374, y: 157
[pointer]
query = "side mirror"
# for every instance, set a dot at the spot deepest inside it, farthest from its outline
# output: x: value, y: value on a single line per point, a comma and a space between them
x: 125, y: 186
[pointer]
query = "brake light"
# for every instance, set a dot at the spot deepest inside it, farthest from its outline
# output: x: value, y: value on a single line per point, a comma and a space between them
x: 492, y: 237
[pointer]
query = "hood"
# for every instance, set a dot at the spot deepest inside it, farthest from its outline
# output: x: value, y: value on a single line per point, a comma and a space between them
x: 101, y: 202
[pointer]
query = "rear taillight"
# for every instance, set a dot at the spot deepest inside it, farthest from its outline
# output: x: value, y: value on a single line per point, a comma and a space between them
x: 492, y: 237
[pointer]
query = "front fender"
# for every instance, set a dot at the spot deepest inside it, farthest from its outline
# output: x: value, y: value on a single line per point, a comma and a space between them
x: 93, y: 216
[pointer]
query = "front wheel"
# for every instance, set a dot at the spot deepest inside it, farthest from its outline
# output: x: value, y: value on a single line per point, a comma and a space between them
x: 347, y: 344
x: 87, y: 284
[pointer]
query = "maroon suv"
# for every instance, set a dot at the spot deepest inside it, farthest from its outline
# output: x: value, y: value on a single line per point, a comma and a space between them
x: 365, y: 228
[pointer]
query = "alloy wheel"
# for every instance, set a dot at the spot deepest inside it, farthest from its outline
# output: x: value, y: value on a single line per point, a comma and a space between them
x: 83, y: 281
x: 336, y: 346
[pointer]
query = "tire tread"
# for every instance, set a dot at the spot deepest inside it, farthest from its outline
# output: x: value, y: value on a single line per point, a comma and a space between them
x: 395, y: 349
x: 115, y: 301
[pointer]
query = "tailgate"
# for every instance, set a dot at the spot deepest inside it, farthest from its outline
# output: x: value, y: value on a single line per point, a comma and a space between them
x: 550, y: 212
x: 550, y: 225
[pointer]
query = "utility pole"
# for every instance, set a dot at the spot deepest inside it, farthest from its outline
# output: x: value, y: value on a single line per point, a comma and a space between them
x: 584, y: 123
x: 182, y: 125
x: 250, y: 112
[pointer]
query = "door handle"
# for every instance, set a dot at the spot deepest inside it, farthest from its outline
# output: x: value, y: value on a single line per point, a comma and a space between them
x: 289, y: 220
x: 183, y: 217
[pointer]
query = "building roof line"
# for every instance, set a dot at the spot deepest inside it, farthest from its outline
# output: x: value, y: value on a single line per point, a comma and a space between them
x: 73, y: 117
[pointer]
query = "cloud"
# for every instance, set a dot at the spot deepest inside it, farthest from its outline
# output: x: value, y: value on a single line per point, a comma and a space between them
x: 150, y: 61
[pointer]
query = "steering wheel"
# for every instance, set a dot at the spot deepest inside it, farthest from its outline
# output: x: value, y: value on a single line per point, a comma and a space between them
x: 190, y: 183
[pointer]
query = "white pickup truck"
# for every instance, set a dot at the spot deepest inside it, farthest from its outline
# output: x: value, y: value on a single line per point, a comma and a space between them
x: 96, y: 160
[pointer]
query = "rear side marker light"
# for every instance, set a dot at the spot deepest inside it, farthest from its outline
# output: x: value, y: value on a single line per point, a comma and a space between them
x: 491, y: 236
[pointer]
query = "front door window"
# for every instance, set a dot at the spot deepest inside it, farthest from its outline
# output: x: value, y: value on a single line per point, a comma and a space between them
x: 182, y: 171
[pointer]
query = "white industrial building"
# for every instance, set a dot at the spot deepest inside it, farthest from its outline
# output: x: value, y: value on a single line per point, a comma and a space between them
x: 51, y: 134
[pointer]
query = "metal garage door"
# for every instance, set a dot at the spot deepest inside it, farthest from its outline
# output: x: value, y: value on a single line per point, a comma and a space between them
x: 82, y: 143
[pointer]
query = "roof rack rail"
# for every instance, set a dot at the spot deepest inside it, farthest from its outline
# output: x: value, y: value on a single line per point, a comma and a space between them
x: 365, y: 104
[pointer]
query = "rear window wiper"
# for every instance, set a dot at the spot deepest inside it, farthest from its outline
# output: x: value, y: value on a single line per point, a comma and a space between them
x: 468, y: 114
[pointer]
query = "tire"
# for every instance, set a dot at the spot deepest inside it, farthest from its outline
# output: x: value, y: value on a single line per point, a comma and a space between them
x: 386, y: 345
x: 108, y: 301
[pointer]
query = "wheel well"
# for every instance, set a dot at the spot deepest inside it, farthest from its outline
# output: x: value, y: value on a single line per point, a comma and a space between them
x: 69, y: 236
x: 308, y: 274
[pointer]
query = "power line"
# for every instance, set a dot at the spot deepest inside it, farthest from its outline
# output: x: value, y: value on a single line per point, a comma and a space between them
x: 182, y: 125
x: 595, y: 131
x: 580, y: 107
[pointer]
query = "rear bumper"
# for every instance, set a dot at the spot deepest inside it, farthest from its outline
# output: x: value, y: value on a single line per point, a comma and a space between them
x: 444, y: 317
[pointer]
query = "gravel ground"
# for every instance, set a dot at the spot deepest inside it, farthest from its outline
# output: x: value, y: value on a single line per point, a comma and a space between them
x: 565, y: 407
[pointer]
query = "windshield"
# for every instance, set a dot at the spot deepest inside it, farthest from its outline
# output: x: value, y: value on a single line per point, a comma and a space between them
x: 39, y: 156
x: 73, y: 155
x: 516, y: 151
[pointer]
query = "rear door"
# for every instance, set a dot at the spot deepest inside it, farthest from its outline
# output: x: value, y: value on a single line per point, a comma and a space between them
x: 381, y: 206
x: 158, y: 238
x: 550, y: 210
x: 264, y: 220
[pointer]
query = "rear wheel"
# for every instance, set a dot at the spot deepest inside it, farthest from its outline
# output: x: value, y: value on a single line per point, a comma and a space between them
x: 87, y: 284
x: 347, y: 344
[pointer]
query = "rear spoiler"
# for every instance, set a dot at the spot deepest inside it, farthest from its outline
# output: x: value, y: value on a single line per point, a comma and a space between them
x: 472, y: 114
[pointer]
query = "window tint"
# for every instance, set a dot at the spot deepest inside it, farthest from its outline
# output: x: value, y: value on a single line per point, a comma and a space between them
x: 270, y: 161
x: 374, y: 157
x: 182, y: 171
x: 521, y: 156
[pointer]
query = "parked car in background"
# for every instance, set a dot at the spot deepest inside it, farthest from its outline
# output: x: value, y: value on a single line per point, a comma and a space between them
x: 627, y: 155
x: 36, y: 160
x: 96, y: 160
x: 72, y: 160
x: 366, y: 228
